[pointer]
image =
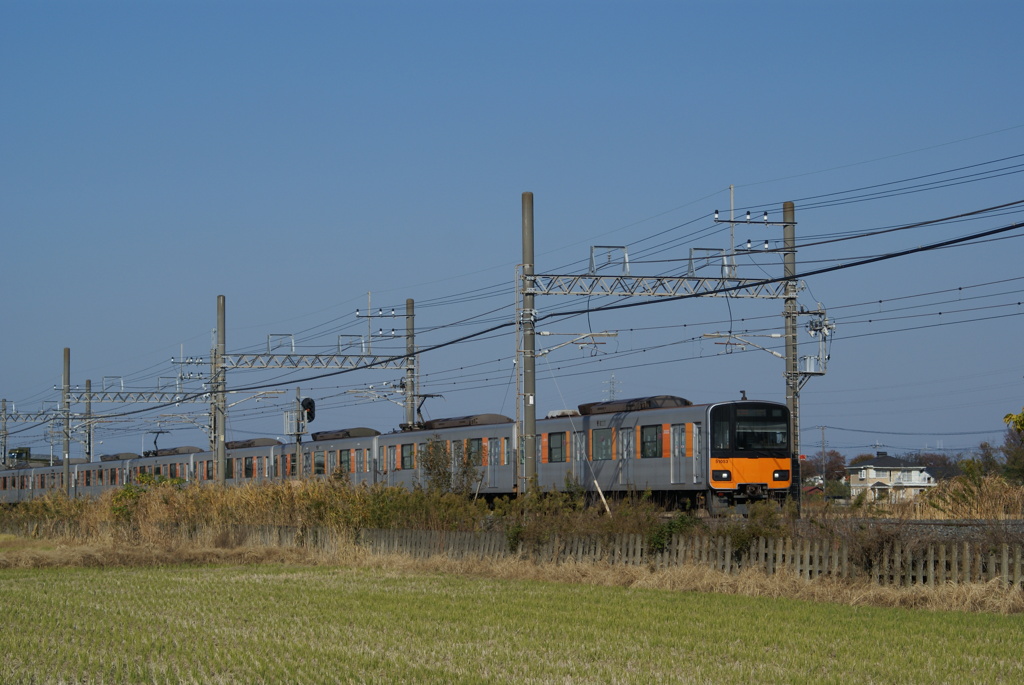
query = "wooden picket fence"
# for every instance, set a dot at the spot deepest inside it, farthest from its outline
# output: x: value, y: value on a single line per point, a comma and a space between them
x: 900, y: 565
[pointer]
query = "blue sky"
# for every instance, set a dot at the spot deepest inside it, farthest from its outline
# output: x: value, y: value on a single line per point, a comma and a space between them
x: 296, y: 156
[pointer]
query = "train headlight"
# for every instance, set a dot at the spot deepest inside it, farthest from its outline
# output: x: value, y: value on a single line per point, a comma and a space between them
x: 721, y: 475
x: 781, y: 474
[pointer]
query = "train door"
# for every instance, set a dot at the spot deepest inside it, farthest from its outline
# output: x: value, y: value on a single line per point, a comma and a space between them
x: 627, y: 454
x: 687, y: 454
x: 376, y: 457
x: 579, y: 456
x: 677, y: 466
x: 493, y: 460
x: 700, y: 456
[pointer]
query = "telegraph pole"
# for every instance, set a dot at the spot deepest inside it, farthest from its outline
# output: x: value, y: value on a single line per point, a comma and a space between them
x: 529, y: 315
x: 790, y: 313
x: 88, y: 419
x: 218, y: 398
x: 298, y: 433
x: 410, y: 363
x: 66, y: 411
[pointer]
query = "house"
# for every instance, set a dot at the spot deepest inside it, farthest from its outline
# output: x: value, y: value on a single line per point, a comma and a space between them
x: 888, y: 479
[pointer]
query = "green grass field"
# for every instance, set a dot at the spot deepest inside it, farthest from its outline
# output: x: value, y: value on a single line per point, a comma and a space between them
x: 322, y: 624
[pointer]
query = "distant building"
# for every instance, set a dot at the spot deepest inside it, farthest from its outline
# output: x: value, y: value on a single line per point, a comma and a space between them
x: 888, y: 479
x: 813, y: 490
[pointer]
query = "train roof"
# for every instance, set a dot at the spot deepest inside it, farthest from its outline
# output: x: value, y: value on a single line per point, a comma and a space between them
x: 252, y: 442
x: 561, y: 413
x: 635, y: 404
x: 184, y: 449
x: 120, y: 456
x: 464, y: 421
x: 343, y: 433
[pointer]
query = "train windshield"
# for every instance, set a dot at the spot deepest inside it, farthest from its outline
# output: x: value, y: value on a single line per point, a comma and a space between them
x: 750, y: 428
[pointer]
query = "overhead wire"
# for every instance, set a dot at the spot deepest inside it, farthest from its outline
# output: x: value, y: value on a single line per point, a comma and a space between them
x: 566, y: 312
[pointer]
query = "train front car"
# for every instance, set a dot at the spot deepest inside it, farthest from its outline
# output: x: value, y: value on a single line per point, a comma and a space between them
x: 750, y: 459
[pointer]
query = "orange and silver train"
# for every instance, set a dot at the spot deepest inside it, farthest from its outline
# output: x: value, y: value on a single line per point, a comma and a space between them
x: 710, y: 455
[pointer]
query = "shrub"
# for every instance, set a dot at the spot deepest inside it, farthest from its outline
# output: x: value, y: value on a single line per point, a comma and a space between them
x: 764, y: 520
x: 661, y: 536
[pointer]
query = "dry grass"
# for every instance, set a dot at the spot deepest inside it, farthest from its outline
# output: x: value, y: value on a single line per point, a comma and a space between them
x: 988, y: 597
x: 131, y: 530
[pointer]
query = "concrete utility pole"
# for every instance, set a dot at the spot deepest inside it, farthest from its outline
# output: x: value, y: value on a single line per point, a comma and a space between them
x: 88, y: 419
x: 793, y: 379
x: 410, y: 363
x: 65, y: 408
x: 218, y: 397
x: 529, y: 316
x: 790, y: 314
x: 299, y: 425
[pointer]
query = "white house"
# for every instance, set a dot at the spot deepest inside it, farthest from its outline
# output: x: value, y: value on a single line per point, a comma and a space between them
x: 889, y: 479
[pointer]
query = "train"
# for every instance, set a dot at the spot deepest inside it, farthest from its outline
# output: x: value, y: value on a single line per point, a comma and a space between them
x: 714, y: 456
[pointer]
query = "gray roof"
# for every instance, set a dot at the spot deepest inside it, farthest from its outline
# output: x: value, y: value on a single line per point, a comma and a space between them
x: 887, y: 463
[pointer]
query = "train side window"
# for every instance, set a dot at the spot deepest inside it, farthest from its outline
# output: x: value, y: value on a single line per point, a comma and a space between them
x: 602, y: 443
x: 475, y: 447
x: 407, y: 452
x: 556, y: 447
x: 650, y: 442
